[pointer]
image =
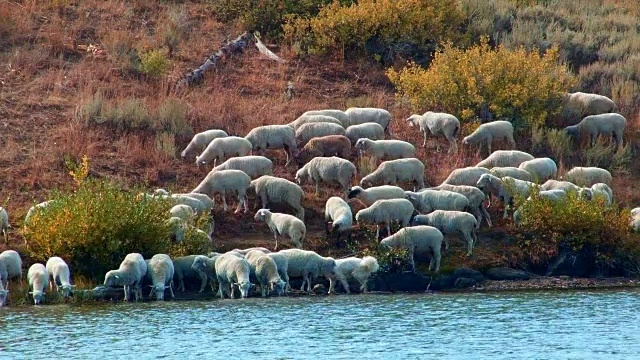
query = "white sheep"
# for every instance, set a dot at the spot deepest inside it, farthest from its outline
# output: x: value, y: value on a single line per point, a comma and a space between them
x: 266, y: 273
x: 336, y: 114
x: 183, y: 269
x: 10, y: 266
x: 60, y: 275
x: 490, y: 132
x: 437, y: 123
x: 476, y: 200
x: 161, y: 272
x: 184, y: 212
x: 252, y: 165
x: 372, y: 194
x: 602, y: 190
x: 505, y: 189
x: 391, y: 171
x: 584, y: 104
x: 313, y: 118
x: 541, y: 169
x: 205, y: 267
x: 371, y: 131
x: 201, y: 140
x: 512, y: 171
x: 587, y: 176
x: 610, y: 125
x: 427, y: 201
x: 221, y: 149
x: 386, y: 211
x: 559, y: 185
x: 223, y: 182
x: 4, y: 223
x: 417, y: 240
x: 35, y: 209
x: 283, y: 224
x: 273, y: 137
x: 204, y: 199
x: 385, y: 149
x: 282, y: 263
x: 232, y: 271
x: 309, y: 131
x: 38, y: 278
x: 328, y: 170
x: 130, y: 274
x: 198, y: 206
x: 309, y: 265
x: 635, y: 219
x: 353, y: 267
x: 502, y: 158
x: 277, y: 190
x: 466, y: 176
x: 338, y: 212
x: 364, y: 115
x: 450, y: 222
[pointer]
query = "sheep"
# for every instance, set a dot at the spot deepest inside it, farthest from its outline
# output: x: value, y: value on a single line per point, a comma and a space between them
x: 223, y: 148
x: 183, y: 269
x: 385, y: 149
x: 502, y: 158
x: 327, y: 169
x: 130, y: 274
x: 505, y: 188
x: 282, y: 264
x: 311, y: 119
x: 364, y: 115
x: 417, y: 239
x: 181, y: 211
x: 330, y: 145
x: 196, y: 205
x: 386, y: 211
x: 336, y: 114
x: 338, y: 212
x: 392, y: 171
x: 609, y: 125
x: 38, y: 278
x: 559, y: 185
x: 201, y: 140
x: 245, y: 251
x: 602, y: 190
x: 60, y: 275
x: 490, y: 132
x: 266, y: 273
x: 205, y: 267
x: 437, y: 123
x: 277, y: 190
x: 230, y: 271
x: 273, y: 137
x: 476, y: 200
x: 541, y: 169
x: 4, y: 223
x: 466, y: 176
x: 588, y: 176
x: 35, y: 209
x: 353, y: 267
x: 429, y: 200
x: 223, y: 181
x: 309, y: 265
x: 514, y: 172
x: 10, y: 266
x: 178, y: 228
x: 372, y: 194
x: 252, y: 165
x: 581, y: 104
x: 552, y: 195
x: 283, y: 224
x: 371, y: 131
x: 204, y: 199
x: 449, y: 222
x: 161, y: 271
x: 635, y: 219
x: 309, y: 131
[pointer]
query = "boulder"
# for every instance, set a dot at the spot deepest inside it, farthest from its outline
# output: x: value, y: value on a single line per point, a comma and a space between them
x: 401, y: 282
x: 468, y: 273
x: 505, y: 273
x: 463, y: 283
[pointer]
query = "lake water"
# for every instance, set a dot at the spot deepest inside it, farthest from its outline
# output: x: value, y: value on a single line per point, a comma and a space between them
x: 531, y: 325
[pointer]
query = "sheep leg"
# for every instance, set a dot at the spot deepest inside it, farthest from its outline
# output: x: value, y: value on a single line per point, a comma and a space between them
x: 469, y: 240
x: 263, y: 288
x: 424, y: 139
x: 245, y: 200
x: 263, y: 198
x: 304, y: 278
x: 240, y: 202
x: 220, y: 286
x: 151, y: 292
x: 173, y: 296
x: 489, y: 141
x: 412, y: 260
x: 126, y: 292
x: 453, y: 145
x: 286, y: 152
x: 181, y: 285
x: 345, y: 285
x: 486, y: 215
x: 275, y: 236
x: 317, y: 190
x: 377, y: 232
x: 224, y: 201
x: 388, y: 228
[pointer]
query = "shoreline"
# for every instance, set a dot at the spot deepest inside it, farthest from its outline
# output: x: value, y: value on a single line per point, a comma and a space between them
x: 554, y: 283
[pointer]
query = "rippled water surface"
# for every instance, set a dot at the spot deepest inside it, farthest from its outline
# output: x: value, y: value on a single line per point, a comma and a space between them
x: 536, y: 325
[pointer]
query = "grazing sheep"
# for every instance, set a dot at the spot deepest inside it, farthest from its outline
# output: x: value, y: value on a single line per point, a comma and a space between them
x: 490, y: 132
x: 4, y: 223
x: 266, y: 273
x: 198, y: 206
x: 437, y: 123
x: 309, y: 131
x: 466, y: 176
x: 161, y: 272
x: 504, y: 189
x: 371, y: 131
x: 581, y: 104
x: 311, y: 119
x: 427, y: 201
x: 559, y: 185
x: 204, y: 199
x: 502, y: 158
x: 386, y: 149
x: 206, y: 266
x: 606, y: 125
x: 201, y: 140
x: 392, y: 171
x: 130, y: 274
x: 476, y: 200
x: 541, y: 169
x: 328, y: 170
x: 338, y: 212
x: 449, y: 222
x: 223, y: 181
x: 184, y: 212
x: 10, y: 266
x: 252, y: 165
x: 277, y: 190
x: 183, y: 270
x: 386, y: 211
x: 309, y: 265
x: 336, y: 114
x: 417, y: 239
x: 282, y: 264
x: 221, y: 149
x: 35, y: 209
x: 273, y: 137
x: 364, y: 115
x: 330, y: 145
x: 353, y: 267
x: 373, y: 194
x: 283, y: 224
x: 60, y: 275
x: 588, y: 176
x: 602, y: 190
x: 38, y: 280
x: 232, y: 270
x: 514, y: 172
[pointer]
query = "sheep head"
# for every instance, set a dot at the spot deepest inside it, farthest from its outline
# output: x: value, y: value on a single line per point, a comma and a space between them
x: 244, y: 288
x: 413, y: 119
x: 261, y: 215
x: 354, y: 192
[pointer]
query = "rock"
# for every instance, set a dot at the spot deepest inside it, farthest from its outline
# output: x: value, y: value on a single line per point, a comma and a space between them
x: 468, y: 273
x: 403, y: 282
x: 442, y: 282
x: 570, y: 264
x: 463, y: 283
x: 505, y: 273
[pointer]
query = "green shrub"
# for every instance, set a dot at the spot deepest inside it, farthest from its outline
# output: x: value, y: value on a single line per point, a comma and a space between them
x: 607, y: 156
x: 91, y: 111
x: 172, y: 118
x: 154, y: 63
x: 166, y: 144
x: 127, y: 115
x: 559, y: 143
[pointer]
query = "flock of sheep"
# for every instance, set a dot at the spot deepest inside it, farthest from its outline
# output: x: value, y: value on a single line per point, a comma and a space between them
x: 320, y: 143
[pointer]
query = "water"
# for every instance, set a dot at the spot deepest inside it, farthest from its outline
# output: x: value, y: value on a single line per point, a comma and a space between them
x: 536, y: 325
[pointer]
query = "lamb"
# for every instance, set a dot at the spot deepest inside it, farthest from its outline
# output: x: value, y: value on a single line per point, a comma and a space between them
x: 183, y: 269
x: 602, y: 190
x: 277, y: 190
x: 429, y: 200
x: 371, y: 131
x: 502, y: 158
x: 364, y: 115
x: 330, y: 145
x: 311, y: 119
x: 252, y: 165
x: 309, y: 265
x: 437, y: 123
x: 222, y: 148
x: 386, y: 149
x: 130, y: 274
x: 161, y: 272
x: 581, y: 104
x: 224, y: 181
x: 327, y: 169
x: 466, y: 176
x: 417, y: 239
x: 490, y: 132
x: 201, y: 140
x: 205, y: 267
x: 359, y: 269
x: 309, y: 131
x: 230, y: 271
x: 60, y: 275
x: 273, y: 137
x: 181, y: 211
x: 336, y: 114
x: 283, y: 224
x: 386, y: 211
x: 372, y: 194
x: 392, y: 171
x: 38, y: 278
x: 476, y: 200
x: 608, y: 125
x: 505, y: 188
x: 4, y: 223
x: 588, y: 176
x: 266, y: 273
x: 10, y: 266
x: 541, y: 169
x: 514, y: 172
x: 449, y: 222
x: 338, y: 212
